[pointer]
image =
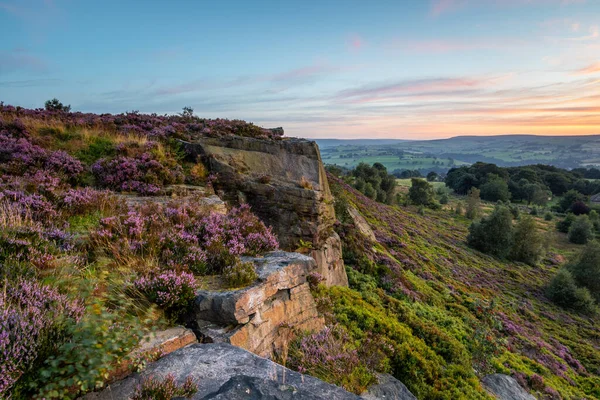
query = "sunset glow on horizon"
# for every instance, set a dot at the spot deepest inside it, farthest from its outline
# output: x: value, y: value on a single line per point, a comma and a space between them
x: 391, y: 69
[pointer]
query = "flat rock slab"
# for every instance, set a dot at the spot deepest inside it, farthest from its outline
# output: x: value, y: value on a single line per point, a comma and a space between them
x: 505, y: 387
x: 223, y: 371
x: 277, y: 271
x: 388, y: 388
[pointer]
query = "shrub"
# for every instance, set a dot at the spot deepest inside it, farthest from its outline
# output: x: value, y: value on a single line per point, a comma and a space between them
x: 102, y: 338
x: 55, y: 105
x: 32, y: 325
x: 493, y: 234
x: 581, y: 231
x: 528, y: 243
x: 548, y: 216
x: 564, y: 292
x: 569, y: 198
x: 171, y: 290
x: 534, y: 211
x: 164, y: 389
x: 421, y: 192
x: 473, y: 203
x: 565, y: 224
x: 586, y: 268
x: 240, y: 274
x: 580, y: 208
x: 329, y: 355
x: 444, y: 199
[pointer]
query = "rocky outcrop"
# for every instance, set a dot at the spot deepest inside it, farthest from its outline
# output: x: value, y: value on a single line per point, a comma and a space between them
x: 285, y: 183
x: 388, y: 387
x: 255, y: 318
x: 361, y: 224
x: 505, y: 387
x: 223, y: 371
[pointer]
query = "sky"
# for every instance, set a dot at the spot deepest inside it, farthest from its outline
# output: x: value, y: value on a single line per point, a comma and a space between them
x: 406, y: 69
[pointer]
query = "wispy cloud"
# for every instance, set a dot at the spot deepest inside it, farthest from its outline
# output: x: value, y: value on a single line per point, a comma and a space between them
x: 590, y: 69
x: 441, y: 46
x: 20, y: 59
x: 30, y: 83
x: 439, y: 7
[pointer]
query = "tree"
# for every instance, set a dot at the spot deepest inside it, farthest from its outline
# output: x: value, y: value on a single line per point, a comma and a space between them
x: 473, y: 203
x: 495, y: 189
x: 586, y: 268
x: 580, y: 208
x: 528, y: 246
x: 581, y: 230
x: 55, y: 105
x: 493, y: 234
x: 432, y: 176
x: 565, y: 224
x: 187, y: 113
x: 569, y: 198
x: 564, y: 291
x: 421, y: 192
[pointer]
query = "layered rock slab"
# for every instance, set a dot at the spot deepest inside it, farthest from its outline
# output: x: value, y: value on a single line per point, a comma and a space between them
x: 505, y: 387
x: 223, y: 371
x: 388, y: 388
x: 258, y: 318
x: 285, y: 183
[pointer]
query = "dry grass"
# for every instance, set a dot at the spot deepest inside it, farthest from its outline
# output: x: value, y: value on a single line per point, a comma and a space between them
x: 15, y: 216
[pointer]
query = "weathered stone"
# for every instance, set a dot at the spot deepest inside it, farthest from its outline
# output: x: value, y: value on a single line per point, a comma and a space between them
x: 252, y: 317
x: 156, y: 344
x: 285, y: 183
x: 389, y: 388
x: 361, y: 224
x: 228, y: 372
x: 505, y: 387
x: 330, y: 263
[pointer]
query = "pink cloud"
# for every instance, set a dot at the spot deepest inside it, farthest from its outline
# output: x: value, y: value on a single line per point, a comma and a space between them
x: 356, y: 43
x: 439, y: 7
x: 590, y: 69
x: 447, y: 46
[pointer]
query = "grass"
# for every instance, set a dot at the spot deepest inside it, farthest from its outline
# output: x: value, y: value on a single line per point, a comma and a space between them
x: 491, y: 315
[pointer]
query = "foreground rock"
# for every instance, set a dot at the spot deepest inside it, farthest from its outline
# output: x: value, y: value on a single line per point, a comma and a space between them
x: 388, y: 388
x: 258, y: 318
x: 505, y: 387
x: 285, y: 183
x: 226, y: 372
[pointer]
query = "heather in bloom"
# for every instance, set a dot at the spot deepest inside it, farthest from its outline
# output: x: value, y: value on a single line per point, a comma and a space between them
x: 30, y: 322
x: 153, y: 388
x: 171, y: 290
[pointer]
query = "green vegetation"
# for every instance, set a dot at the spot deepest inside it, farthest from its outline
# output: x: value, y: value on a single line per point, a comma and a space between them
x: 421, y: 193
x: 374, y: 182
x: 446, y: 315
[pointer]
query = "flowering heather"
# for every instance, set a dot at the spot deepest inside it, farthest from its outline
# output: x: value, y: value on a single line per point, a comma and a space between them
x: 29, y: 312
x: 82, y: 200
x: 153, y: 388
x: 171, y: 290
x: 141, y: 174
x: 151, y: 125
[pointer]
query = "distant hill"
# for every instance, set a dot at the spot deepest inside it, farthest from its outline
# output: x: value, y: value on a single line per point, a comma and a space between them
x: 442, y: 154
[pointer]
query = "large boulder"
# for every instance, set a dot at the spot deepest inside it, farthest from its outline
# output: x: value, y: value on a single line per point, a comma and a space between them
x: 223, y: 371
x: 285, y: 183
x: 389, y: 388
x: 505, y: 387
x: 255, y: 317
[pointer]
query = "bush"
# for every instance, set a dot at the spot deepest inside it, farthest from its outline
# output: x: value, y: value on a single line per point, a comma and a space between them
x: 55, y: 105
x: 528, y: 242
x: 171, y: 290
x: 473, y: 203
x: 240, y: 274
x: 103, y: 338
x: 444, y: 199
x: 565, y: 224
x: 33, y: 320
x: 581, y: 231
x: 330, y: 355
x: 493, y: 234
x: 548, y: 216
x: 564, y: 292
x: 164, y: 389
x: 421, y: 192
x: 586, y: 268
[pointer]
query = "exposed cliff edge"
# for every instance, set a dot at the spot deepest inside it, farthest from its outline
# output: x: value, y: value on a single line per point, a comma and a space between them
x: 285, y: 183
x: 254, y: 317
x: 228, y: 372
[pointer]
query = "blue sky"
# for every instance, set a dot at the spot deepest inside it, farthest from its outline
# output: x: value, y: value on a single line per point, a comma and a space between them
x: 348, y: 69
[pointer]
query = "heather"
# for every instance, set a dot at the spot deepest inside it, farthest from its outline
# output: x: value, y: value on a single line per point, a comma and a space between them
x: 85, y: 272
x: 452, y: 314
